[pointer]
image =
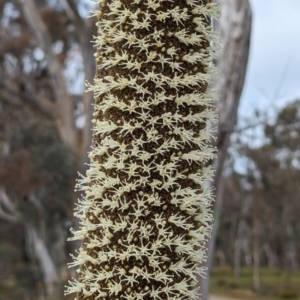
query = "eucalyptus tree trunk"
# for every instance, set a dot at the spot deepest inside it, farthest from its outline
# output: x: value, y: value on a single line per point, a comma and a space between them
x: 242, y: 238
x: 291, y: 249
x: 61, y: 110
x: 235, y: 27
x: 40, y: 252
x: 35, y: 239
x: 146, y: 210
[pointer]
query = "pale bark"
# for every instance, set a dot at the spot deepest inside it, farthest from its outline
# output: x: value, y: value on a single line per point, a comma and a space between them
x: 272, y: 260
x: 241, y: 240
x: 235, y: 27
x: 256, y: 254
x: 220, y: 256
x: 8, y: 211
x: 84, y: 31
x: 35, y: 240
x: 61, y: 111
x: 40, y: 252
x: 291, y: 249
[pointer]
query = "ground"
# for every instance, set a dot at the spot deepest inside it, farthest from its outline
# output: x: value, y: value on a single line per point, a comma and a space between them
x: 219, y: 298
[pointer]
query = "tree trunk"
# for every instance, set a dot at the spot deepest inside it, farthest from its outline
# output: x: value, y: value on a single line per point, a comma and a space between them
x: 39, y: 251
x: 36, y: 234
x: 235, y: 26
x: 65, y: 115
x: 85, y: 32
x: 241, y: 236
x: 8, y: 211
x: 291, y: 249
x: 60, y: 110
x: 37, y: 248
x: 237, y: 256
x: 256, y: 256
x: 272, y: 260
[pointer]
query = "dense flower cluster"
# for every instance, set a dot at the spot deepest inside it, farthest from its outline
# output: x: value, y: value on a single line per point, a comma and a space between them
x: 145, y: 214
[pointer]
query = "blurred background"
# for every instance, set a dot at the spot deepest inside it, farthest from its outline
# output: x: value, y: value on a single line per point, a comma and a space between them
x: 45, y: 58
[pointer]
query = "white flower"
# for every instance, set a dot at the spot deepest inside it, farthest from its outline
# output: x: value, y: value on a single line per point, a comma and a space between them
x: 145, y: 214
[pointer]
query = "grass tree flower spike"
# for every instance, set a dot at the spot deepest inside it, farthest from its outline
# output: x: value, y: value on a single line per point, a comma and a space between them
x: 145, y: 213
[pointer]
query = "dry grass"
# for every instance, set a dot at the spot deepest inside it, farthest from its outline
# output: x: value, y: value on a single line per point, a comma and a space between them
x: 275, y: 284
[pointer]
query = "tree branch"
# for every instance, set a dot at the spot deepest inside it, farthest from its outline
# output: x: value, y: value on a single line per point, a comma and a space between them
x: 41, y: 254
x: 84, y: 32
x: 64, y: 105
x: 12, y: 95
x: 79, y: 24
x: 9, y: 212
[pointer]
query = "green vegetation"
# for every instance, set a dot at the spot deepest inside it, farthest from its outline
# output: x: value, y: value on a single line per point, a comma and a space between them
x: 275, y: 284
